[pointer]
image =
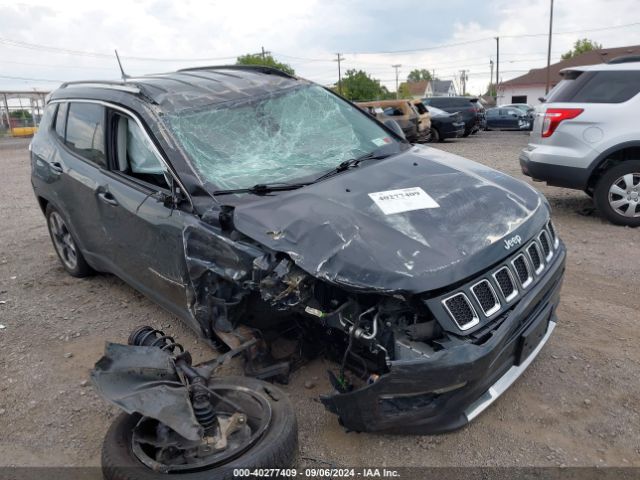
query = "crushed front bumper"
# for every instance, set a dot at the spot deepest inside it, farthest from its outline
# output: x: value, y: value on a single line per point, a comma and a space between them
x: 454, y: 385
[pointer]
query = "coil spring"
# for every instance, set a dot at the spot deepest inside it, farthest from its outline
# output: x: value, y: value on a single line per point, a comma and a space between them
x: 150, y: 337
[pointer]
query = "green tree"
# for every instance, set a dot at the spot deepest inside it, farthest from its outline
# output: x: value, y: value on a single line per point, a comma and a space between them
x: 268, y: 60
x: 403, y: 91
x: 418, y: 75
x: 582, y: 45
x: 358, y: 86
x: 22, y: 114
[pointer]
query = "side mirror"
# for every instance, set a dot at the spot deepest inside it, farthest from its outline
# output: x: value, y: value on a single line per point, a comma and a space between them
x: 393, y: 125
x: 542, y: 99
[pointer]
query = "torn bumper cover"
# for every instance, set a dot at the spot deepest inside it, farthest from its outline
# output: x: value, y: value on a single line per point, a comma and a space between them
x: 453, y: 386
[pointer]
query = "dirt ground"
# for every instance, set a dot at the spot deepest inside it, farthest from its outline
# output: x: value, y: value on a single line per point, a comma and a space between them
x: 578, y: 404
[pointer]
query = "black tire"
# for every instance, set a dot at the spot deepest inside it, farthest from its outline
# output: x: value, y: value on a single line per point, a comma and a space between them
x: 607, y: 181
x: 435, y: 136
x: 76, y: 267
x: 277, y: 448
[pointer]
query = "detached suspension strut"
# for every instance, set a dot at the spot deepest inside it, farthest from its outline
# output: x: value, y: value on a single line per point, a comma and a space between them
x: 200, y: 400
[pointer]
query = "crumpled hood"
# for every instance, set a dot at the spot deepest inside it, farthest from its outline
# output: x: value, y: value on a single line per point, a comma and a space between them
x: 335, y: 231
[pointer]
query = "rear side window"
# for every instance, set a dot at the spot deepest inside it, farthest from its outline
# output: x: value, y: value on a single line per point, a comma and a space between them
x: 421, y: 108
x: 85, y: 131
x: 47, y: 117
x: 61, y: 120
x: 598, y: 87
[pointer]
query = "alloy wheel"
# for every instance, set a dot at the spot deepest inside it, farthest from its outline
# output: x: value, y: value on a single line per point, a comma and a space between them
x: 63, y: 241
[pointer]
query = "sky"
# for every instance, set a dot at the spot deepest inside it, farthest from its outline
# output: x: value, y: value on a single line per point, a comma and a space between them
x: 43, y: 43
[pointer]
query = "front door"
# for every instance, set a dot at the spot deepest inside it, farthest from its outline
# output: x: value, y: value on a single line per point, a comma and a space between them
x: 145, y: 244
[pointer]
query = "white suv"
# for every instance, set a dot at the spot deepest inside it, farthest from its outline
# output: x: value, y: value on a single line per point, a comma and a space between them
x: 587, y: 136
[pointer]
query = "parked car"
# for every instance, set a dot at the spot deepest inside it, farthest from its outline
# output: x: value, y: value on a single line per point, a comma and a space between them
x: 481, y: 114
x: 529, y: 110
x: 503, y: 118
x: 399, y: 110
x: 464, y: 105
x: 424, y: 120
x: 585, y: 137
x: 389, y: 122
x: 445, y: 125
x: 255, y: 205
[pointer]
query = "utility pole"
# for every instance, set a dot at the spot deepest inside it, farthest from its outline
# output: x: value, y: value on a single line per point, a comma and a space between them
x: 264, y: 55
x: 397, y: 66
x: 339, y: 59
x: 491, y: 77
x: 497, y: 67
x: 546, y: 89
x: 463, y: 81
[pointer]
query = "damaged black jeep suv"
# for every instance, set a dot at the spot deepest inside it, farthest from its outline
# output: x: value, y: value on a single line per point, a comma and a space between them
x: 256, y: 204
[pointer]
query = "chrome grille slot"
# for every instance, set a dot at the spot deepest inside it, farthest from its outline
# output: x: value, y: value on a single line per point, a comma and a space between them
x: 506, y: 283
x: 461, y: 310
x: 552, y: 231
x: 536, y: 259
x: 546, y: 245
x: 523, y: 270
x: 486, y: 297
x: 490, y: 295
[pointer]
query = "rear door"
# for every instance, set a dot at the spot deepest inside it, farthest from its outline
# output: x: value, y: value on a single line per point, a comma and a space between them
x: 511, y: 118
x: 76, y: 161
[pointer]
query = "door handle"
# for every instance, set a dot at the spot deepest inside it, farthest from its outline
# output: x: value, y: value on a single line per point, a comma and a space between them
x: 107, y: 197
x: 56, y: 168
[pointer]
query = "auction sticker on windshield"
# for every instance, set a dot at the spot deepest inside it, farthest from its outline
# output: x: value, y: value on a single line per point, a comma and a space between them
x: 379, y: 142
x: 403, y: 200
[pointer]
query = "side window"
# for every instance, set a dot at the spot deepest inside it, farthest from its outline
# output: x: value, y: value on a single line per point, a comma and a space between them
x: 135, y: 155
x: 615, y: 86
x: 492, y: 113
x: 609, y: 87
x: 61, y: 120
x: 393, y: 112
x: 85, y: 131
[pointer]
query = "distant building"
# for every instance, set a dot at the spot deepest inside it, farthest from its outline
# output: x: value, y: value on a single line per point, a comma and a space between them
x: 529, y: 87
x: 431, y: 88
x: 441, y: 88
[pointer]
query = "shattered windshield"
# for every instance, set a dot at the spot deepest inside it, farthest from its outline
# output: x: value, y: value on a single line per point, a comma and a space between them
x: 286, y: 135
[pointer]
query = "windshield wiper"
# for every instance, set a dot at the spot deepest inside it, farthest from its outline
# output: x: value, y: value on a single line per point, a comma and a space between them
x: 262, y: 188
x: 353, y: 162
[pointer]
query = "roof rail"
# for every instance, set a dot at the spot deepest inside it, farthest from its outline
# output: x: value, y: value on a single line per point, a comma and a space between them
x: 115, y: 85
x: 624, y: 59
x: 260, y: 68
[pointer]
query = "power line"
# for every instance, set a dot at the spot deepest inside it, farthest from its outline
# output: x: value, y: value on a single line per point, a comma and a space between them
x: 85, y: 53
x: 32, y: 79
x: 56, y: 66
x: 67, y: 51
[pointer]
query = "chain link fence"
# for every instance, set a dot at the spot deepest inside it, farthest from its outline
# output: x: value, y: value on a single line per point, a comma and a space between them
x: 20, y: 112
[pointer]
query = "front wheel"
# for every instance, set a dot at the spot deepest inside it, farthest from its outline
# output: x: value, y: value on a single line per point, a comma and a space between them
x: 617, y: 194
x: 435, y: 136
x: 127, y: 455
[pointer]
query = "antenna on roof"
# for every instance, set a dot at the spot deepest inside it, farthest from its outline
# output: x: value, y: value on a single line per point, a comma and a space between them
x: 124, y: 75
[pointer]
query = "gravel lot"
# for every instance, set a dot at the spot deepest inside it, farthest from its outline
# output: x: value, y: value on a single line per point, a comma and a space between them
x: 578, y: 404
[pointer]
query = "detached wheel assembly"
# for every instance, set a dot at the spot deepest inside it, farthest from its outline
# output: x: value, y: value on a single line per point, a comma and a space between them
x: 225, y: 423
x: 617, y: 194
